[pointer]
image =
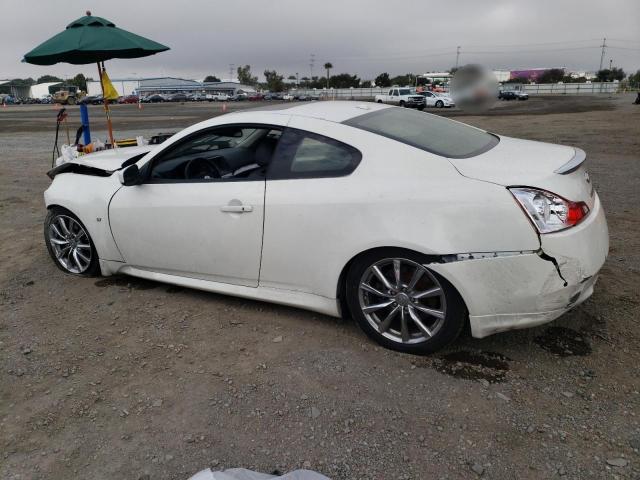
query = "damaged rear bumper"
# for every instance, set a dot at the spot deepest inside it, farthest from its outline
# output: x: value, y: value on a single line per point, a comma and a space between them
x: 513, y: 290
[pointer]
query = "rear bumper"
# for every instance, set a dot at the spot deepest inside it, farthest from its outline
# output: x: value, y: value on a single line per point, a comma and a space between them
x: 519, y: 290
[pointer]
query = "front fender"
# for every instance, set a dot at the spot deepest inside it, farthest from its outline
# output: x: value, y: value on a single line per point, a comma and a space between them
x: 88, y: 198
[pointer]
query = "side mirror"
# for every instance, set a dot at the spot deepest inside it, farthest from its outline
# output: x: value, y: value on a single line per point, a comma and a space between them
x: 130, y: 176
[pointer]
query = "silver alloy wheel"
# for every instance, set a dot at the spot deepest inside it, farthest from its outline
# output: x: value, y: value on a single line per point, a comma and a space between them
x: 402, y: 300
x: 70, y: 243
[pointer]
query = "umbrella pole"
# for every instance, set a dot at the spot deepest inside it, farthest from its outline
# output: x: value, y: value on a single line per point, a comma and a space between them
x: 106, y: 106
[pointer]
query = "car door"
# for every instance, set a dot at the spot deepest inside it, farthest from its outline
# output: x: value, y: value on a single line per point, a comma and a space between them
x: 308, y: 191
x: 430, y: 99
x: 188, y: 219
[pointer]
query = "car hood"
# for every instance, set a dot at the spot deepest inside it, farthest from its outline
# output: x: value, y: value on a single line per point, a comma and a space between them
x: 102, y: 163
x: 111, y: 160
x: 514, y: 162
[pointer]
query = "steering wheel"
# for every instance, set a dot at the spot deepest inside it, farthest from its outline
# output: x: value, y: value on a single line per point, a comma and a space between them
x: 201, y: 168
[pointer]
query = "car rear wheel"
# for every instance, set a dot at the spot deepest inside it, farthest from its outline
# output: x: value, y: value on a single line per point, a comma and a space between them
x: 439, y: 104
x: 69, y: 243
x: 401, y: 304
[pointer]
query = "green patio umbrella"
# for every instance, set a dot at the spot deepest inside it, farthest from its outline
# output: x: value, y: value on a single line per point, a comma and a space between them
x: 93, y: 40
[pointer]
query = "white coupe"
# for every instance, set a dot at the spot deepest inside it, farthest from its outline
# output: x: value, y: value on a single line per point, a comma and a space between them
x: 410, y: 223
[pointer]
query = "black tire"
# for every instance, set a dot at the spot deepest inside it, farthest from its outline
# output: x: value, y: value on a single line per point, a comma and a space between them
x: 455, y: 312
x: 92, y: 267
x: 421, y: 108
x: 402, y: 104
x: 379, y: 101
x: 439, y: 104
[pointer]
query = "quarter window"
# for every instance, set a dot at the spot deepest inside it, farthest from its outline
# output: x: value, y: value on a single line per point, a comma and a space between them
x: 303, y: 154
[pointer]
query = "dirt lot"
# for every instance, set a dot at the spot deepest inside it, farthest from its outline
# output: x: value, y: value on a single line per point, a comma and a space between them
x: 123, y: 379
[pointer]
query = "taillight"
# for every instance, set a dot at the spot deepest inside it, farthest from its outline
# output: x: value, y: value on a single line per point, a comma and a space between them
x: 548, y: 211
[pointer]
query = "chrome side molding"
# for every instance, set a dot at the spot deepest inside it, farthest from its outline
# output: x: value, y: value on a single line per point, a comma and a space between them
x: 578, y: 158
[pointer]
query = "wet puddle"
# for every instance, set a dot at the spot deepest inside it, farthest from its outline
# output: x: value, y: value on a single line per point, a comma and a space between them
x: 127, y: 282
x: 563, y: 342
x: 467, y: 365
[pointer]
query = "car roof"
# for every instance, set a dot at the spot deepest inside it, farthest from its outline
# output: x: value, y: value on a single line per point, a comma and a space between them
x: 333, y: 111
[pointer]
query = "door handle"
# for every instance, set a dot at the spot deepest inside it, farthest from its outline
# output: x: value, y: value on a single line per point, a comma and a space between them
x: 236, y: 208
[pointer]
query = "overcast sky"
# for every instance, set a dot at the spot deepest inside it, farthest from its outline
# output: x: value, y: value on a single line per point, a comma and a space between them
x: 357, y: 36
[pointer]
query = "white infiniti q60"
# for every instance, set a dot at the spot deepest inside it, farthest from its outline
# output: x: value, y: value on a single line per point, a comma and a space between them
x: 411, y: 223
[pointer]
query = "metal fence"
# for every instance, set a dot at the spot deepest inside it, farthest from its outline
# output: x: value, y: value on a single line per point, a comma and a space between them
x: 533, y: 89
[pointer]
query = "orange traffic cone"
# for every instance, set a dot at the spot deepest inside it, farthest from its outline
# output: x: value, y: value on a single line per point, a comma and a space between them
x: 139, y: 105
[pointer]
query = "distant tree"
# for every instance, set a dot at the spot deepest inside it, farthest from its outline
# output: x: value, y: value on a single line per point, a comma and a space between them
x: 634, y: 80
x: 245, y: 77
x: 211, y: 78
x: 606, y: 75
x: 80, y: 81
x: 383, y: 80
x: 553, y: 75
x: 274, y: 81
x: 328, y: 66
x: 522, y: 80
x: 344, y: 80
x: 453, y: 70
x: 291, y: 77
x: 48, y: 78
x: 366, y: 84
x: 407, y: 79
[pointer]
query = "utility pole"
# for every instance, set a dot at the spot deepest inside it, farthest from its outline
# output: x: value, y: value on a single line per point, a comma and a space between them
x: 297, y: 80
x: 457, y: 55
x: 604, y: 45
x: 231, y: 65
x: 312, y: 61
x: 610, y: 63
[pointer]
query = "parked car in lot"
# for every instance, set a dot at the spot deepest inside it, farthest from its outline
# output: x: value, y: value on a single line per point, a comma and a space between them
x: 512, y: 95
x: 465, y: 227
x: 511, y: 233
x: 217, y: 97
x: 91, y: 100
x: 156, y: 98
x: 287, y: 97
x: 178, y: 97
x: 438, y: 100
x: 129, y: 99
x: 402, y: 97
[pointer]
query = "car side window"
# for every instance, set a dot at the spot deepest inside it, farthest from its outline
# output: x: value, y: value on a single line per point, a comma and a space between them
x: 302, y: 154
x: 395, y: 93
x: 223, y: 153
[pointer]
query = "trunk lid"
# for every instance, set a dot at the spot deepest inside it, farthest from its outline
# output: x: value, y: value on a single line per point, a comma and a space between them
x: 524, y: 163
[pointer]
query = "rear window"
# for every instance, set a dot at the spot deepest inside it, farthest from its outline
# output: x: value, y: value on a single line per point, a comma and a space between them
x: 428, y: 132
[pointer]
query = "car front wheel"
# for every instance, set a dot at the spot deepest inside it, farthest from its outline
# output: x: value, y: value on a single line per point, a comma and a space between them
x: 69, y: 244
x: 439, y: 104
x: 401, y: 304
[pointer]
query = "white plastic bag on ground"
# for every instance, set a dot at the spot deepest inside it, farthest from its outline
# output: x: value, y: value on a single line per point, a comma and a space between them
x: 244, y: 474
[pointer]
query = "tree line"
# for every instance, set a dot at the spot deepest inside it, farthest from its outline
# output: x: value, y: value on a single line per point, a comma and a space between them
x: 275, y: 82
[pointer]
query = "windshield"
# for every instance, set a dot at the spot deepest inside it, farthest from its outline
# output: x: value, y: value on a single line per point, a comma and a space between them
x: 405, y: 91
x: 428, y: 132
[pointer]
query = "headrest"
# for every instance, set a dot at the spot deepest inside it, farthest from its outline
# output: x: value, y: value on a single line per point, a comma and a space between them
x: 264, y: 152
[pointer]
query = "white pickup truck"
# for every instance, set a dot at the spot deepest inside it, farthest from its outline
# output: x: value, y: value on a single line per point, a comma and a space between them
x: 402, y: 97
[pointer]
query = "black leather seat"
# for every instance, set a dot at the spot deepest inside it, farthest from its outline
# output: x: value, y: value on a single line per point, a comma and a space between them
x: 261, y: 157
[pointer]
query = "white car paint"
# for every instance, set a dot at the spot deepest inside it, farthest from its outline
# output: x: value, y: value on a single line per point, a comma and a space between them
x: 293, y: 246
x: 432, y: 98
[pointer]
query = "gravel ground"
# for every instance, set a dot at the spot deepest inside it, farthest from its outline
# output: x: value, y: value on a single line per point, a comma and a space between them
x: 122, y: 378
